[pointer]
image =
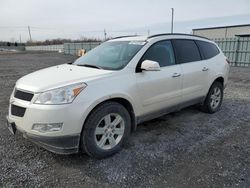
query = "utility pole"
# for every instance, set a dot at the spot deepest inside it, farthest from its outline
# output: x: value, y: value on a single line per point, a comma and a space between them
x: 29, y: 33
x: 20, y: 39
x: 148, y: 32
x: 172, y: 21
x: 105, y: 35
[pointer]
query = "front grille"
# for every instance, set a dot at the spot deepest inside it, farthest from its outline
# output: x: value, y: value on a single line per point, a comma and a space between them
x: 23, y: 95
x: 17, y: 110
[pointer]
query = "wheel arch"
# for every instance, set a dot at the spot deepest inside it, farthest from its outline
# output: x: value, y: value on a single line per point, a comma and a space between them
x: 205, y: 106
x: 119, y: 99
x: 219, y: 79
x: 123, y: 100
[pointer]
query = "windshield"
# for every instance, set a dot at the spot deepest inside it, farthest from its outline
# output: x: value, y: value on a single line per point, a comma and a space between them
x: 110, y: 55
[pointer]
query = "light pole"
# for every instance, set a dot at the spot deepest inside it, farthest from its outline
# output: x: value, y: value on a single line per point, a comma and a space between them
x: 172, y: 21
x: 105, y: 35
x: 29, y: 33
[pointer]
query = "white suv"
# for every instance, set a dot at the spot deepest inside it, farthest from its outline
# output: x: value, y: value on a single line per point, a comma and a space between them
x: 93, y: 104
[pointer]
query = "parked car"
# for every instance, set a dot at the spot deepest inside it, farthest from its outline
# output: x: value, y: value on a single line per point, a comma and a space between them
x: 93, y: 104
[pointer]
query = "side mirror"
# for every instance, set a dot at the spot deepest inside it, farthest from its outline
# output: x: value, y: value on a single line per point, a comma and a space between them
x: 149, y: 65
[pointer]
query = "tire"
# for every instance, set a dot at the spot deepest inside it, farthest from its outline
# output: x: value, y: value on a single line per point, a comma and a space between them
x: 106, y: 130
x: 214, y: 98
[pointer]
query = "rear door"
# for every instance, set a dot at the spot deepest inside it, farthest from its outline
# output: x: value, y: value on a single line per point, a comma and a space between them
x: 159, y: 89
x: 194, y: 69
x: 212, y: 60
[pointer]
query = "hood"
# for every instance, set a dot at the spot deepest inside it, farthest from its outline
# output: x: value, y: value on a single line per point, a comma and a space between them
x: 59, y: 76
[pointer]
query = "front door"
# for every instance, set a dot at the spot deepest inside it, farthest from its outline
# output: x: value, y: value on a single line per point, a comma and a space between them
x: 160, y: 89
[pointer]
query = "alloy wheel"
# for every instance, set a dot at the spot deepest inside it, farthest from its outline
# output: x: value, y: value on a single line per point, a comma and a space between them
x: 109, y: 131
x: 215, y: 98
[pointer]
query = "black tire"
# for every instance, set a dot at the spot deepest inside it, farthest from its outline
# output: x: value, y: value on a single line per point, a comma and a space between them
x: 207, y: 105
x: 88, y: 139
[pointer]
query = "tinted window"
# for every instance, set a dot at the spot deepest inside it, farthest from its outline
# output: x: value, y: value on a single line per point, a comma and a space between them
x: 186, y: 51
x: 207, y: 49
x: 161, y: 52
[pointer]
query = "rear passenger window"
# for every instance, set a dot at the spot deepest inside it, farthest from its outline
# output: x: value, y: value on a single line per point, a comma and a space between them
x: 161, y: 52
x: 207, y: 49
x: 186, y: 51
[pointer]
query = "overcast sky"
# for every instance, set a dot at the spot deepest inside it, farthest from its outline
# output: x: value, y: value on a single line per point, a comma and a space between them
x: 73, y: 19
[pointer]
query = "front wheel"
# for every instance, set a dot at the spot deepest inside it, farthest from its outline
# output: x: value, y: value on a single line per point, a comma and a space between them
x: 214, y: 98
x: 106, y: 130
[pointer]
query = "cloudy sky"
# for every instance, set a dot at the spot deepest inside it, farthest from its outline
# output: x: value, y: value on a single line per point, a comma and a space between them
x: 77, y: 18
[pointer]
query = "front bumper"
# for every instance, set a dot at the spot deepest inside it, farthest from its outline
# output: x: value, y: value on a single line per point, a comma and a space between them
x: 70, y: 115
x: 60, y: 145
x: 67, y: 144
x: 64, y: 141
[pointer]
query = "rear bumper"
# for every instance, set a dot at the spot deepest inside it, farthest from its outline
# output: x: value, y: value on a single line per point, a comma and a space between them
x: 67, y: 144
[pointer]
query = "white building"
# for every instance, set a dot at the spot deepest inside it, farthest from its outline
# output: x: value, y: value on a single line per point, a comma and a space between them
x: 223, y: 32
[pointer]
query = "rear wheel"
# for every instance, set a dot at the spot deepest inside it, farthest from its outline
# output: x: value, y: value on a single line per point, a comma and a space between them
x: 106, y: 130
x: 214, y: 98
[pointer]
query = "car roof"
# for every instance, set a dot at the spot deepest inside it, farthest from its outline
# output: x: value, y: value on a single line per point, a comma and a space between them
x: 130, y: 38
x: 160, y: 36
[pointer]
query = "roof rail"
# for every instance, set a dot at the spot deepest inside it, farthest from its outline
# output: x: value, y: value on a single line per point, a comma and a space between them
x: 125, y: 36
x: 183, y: 34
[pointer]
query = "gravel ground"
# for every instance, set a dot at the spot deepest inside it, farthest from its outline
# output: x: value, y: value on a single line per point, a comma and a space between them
x: 183, y: 149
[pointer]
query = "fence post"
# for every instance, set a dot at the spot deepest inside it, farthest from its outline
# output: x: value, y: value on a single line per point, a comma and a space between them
x: 89, y: 46
x: 237, y: 51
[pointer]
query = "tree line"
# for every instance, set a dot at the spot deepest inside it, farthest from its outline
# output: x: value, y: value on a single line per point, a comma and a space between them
x: 49, y: 42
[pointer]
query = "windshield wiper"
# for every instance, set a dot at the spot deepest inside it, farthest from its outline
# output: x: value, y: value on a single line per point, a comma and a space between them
x: 88, y: 65
x: 71, y: 62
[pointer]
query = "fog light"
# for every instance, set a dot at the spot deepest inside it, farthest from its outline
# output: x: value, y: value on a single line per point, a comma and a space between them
x: 50, y: 127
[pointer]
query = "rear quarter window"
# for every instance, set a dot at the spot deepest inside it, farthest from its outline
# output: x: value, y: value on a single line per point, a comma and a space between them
x: 186, y: 50
x: 207, y: 49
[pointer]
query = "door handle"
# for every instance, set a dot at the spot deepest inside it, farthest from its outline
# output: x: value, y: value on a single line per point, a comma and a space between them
x: 176, y: 75
x: 205, y: 69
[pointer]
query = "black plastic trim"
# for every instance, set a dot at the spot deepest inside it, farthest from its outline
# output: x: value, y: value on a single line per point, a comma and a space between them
x: 26, y: 96
x: 60, y: 144
x: 17, y: 110
x: 167, y: 110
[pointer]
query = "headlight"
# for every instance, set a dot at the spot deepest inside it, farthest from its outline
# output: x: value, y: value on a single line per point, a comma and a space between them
x: 63, y: 95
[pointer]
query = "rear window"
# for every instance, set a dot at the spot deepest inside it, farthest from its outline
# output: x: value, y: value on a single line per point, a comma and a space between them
x: 207, y: 49
x: 186, y: 51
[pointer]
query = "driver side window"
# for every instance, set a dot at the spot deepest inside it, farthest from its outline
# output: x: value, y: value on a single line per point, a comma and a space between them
x: 161, y: 52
